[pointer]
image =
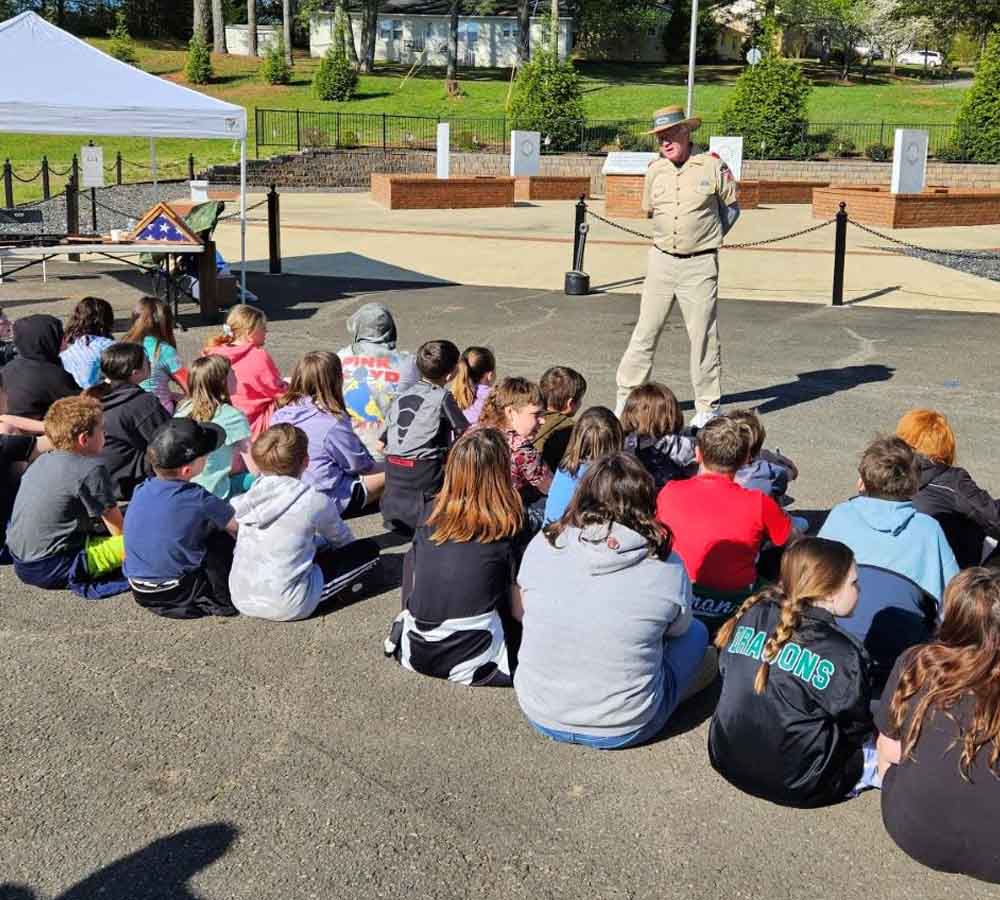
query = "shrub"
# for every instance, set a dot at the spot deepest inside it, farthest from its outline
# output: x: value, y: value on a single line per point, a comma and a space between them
x: 315, y: 137
x: 840, y: 147
x: 335, y: 79
x: 349, y: 139
x: 878, y: 152
x: 122, y: 47
x: 768, y: 106
x: 198, y: 69
x: 276, y: 69
x: 978, y: 125
x: 951, y: 152
x: 546, y: 99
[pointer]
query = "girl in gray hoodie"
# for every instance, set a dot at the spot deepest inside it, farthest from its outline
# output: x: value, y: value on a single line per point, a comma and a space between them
x: 293, y: 550
x: 610, y: 646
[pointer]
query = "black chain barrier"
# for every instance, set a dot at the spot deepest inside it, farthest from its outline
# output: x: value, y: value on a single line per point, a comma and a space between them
x: 54, y: 171
x: 235, y: 215
x: 34, y: 177
x: 961, y: 254
x: 746, y: 244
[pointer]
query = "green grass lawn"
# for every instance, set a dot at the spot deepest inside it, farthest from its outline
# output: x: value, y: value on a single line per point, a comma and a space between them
x: 611, y: 91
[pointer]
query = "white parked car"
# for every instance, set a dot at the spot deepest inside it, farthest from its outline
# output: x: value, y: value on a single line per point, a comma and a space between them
x: 917, y: 57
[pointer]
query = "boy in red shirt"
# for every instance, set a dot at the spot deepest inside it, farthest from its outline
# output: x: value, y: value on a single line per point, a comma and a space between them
x: 719, y: 526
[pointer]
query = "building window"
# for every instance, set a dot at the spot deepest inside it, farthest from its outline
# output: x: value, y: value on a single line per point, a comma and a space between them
x: 510, y: 30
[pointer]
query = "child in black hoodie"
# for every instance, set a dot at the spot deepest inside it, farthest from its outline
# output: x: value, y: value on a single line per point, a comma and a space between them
x: 131, y: 416
x: 793, y: 723
x: 35, y: 378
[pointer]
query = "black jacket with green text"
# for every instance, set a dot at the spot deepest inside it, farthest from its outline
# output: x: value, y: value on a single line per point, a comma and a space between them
x: 799, y: 743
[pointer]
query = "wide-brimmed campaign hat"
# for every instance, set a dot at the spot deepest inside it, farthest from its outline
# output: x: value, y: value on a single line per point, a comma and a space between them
x: 670, y: 117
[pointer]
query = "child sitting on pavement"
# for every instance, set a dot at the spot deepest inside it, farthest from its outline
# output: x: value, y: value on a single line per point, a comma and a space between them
x: 153, y: 328
x: 88, y: 333
x: 794, y: 724
x: 767, y: 471
x: 51, y: 536
x: 131, y: 416
x: 515, y: 408
x: 562, y: 390
x: 719, y: 526
x: 340, y: 465
x: 17, y: 450
x: 179, y: 536
x: 597, y: 433
x: 421, y: 425
x: 654, y: 431
x: 293, y: 550
x: 477, y: 370
x: 230, y: 469
x: 259, y: 384
x: 35, y: 377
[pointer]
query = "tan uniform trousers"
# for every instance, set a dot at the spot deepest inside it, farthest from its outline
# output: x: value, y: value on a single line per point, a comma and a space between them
x: 694, y: 283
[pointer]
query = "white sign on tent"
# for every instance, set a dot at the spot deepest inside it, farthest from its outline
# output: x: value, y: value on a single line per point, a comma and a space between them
x: 730, y: 151
x: 909, y: 161
x: 92, y: 167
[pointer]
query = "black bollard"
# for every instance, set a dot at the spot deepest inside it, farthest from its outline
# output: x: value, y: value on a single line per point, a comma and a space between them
x: 577, y: 282
x: 580, y: 216
x: 46, y: 188
x: 839, y: 255
x: 273, y: 232
x: 8, y: 184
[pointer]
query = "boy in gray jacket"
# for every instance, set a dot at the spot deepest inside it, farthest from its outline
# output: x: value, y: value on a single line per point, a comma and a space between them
x: 293, y: 550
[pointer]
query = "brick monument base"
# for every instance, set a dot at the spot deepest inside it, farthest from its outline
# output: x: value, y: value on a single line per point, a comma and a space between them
x: 428, y: 192
x: 551, y: 187
x: 935, y: 207
x: 623, y: 195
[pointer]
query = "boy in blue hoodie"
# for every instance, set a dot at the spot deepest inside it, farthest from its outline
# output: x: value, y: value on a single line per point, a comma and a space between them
x: 885, y: 531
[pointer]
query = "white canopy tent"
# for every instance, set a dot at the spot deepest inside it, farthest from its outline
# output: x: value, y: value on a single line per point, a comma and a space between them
x: 53, y: 83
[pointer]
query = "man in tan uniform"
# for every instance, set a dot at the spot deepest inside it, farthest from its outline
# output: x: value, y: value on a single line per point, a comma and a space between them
x: 692, y: 201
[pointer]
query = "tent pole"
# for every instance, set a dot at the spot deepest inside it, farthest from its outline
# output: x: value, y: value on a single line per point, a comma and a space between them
x: 243, y: 220
x: 152, y: 159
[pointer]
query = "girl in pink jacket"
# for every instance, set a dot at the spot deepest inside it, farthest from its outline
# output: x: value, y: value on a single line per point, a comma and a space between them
x: 259, y: 383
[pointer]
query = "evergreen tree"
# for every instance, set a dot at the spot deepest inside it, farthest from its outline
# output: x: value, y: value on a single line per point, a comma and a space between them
x: 978, y: 126
x: 276, y: 69
x: 122, y: 47
x: 335, y: 78
x: 198, y: 69
x: 547, y: 98
x: 768, y: 106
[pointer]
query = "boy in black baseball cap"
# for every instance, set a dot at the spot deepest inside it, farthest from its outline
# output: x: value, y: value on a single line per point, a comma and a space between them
x: 180, y: 538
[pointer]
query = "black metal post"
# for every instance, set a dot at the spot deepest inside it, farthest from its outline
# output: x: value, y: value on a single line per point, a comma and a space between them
x: 73, y: 205
x: 579, y: 218
x: 93, y: 209
x: 577, y: 282
x: 46, y: 189
x: 298, y: 129
x: 118, y: 167
x: 840, y: 256
x: 384, y: 142
x: 190, y: 167
x: 8, y: 184
x: 337, y: 144
x: 273, y: 232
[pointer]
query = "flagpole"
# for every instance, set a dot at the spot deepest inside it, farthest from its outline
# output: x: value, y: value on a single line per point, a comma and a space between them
x: 691, y: 54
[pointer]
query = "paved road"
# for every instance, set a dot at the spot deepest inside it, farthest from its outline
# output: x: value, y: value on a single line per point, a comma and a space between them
x: 239, y: 759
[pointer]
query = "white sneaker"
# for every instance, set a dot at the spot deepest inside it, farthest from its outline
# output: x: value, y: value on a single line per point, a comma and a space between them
x: 702, y: 418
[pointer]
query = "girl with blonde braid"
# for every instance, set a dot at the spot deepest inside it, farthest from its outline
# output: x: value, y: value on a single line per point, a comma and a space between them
x: 793, y: 724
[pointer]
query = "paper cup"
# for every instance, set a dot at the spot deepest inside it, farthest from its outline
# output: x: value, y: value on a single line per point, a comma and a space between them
x: 116, y: 235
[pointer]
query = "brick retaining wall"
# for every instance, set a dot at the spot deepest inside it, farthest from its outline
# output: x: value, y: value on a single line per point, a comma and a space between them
x: 353, y: 168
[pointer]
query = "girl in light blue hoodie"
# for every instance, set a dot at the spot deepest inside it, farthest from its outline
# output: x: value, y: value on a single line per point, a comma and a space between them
x: 340, y: 465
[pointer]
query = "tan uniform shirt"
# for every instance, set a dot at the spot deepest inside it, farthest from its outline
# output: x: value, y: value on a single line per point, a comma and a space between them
x: 685, y: 202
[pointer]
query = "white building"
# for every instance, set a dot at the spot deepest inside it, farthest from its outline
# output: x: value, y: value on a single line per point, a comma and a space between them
x: 238, y: 43
x: 489, y: 41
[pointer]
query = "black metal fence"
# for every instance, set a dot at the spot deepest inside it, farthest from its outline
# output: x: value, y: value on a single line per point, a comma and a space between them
x: 302, y: 129
x: 115, y: 173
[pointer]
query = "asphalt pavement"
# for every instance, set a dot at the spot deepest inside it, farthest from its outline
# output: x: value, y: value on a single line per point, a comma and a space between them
x: 147, y: 758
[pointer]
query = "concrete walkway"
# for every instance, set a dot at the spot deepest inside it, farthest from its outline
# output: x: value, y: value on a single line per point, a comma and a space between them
x: 529, y: 247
